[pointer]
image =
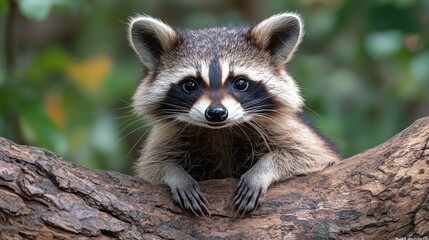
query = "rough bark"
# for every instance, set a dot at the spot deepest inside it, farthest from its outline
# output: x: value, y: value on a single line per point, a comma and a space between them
x: 382, y: 193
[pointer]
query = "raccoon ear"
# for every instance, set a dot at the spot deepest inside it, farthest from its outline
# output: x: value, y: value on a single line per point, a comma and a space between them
x: 150, y: 39
x: 279, y: 35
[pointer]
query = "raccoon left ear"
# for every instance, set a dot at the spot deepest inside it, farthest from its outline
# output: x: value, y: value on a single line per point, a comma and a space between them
x: 150, y: 39
x: 279, y: 35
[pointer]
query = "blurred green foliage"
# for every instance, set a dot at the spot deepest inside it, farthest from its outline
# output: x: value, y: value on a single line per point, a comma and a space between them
x: 67, y: 74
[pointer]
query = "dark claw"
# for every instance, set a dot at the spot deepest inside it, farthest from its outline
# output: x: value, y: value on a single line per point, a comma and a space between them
x: 238, y: 186
x: 240, y: 194
x: 176, y: 197
x: 200, y: 198
x: 187, y: 201
x: 197, y: 204
x: 248, y: 197
x: 190, y: 198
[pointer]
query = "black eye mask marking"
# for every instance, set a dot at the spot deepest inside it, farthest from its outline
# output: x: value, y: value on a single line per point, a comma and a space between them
x: 177, y: 100
x: 254, y: 98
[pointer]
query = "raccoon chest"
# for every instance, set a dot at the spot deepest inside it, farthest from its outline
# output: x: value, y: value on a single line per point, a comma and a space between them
x: 212, y: 157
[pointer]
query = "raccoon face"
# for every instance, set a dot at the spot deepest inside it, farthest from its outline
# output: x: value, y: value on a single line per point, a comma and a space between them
x: 216, y: 77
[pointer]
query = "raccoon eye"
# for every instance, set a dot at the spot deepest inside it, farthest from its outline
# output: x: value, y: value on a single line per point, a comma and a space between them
x: 240, y: 83
x: 190, y: 85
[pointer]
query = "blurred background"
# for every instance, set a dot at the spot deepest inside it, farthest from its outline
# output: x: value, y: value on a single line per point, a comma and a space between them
x: 67, y: 74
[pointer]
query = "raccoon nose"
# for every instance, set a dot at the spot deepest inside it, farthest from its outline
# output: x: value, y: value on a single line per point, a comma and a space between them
x: 216, y: 113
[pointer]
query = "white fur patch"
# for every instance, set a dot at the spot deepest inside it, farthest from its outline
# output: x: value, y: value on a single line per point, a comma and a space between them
x: 225, y: 71
x: 197, y: 112
x: 205, y: 72
x: 235, y: 111
x: 256, y: 74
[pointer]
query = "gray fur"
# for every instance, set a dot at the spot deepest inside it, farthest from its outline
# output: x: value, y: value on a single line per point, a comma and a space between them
x: 260, y: 146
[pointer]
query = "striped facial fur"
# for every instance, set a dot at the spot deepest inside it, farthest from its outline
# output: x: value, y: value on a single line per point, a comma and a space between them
x: 216, y: 96
x: 223, y: 105
x: 213, y: 77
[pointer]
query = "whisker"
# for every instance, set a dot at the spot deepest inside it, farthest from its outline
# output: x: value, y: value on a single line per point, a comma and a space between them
x: 109, y: 110
x: 252, y: 147
x: 261, y: 133
x: 137, y: 142
x: 127, y: 135
x: 314, y: 112
x: 132, y: 122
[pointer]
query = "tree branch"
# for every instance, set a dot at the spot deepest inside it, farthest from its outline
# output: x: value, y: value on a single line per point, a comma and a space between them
x: 381, y: 193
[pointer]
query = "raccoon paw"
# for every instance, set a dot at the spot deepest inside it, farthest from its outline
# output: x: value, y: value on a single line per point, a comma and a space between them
x: 189, y: 197
x: 248, y: 196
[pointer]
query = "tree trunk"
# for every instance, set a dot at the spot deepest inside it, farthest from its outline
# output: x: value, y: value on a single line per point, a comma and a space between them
x: 382, y: 193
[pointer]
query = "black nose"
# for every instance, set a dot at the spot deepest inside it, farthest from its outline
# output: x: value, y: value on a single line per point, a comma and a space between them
x: 216, y: 113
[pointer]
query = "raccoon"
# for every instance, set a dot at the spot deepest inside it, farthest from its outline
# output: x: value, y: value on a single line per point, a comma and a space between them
x: 222, y: 105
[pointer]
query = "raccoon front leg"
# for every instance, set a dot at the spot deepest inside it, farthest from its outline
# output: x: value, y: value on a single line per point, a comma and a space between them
x: 273, y: 167
x: 253, y: 185
x: 185, y: 190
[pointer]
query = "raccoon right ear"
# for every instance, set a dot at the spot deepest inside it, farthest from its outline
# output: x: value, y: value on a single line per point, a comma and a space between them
x: 279, y: 35
x: 150, y: 38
